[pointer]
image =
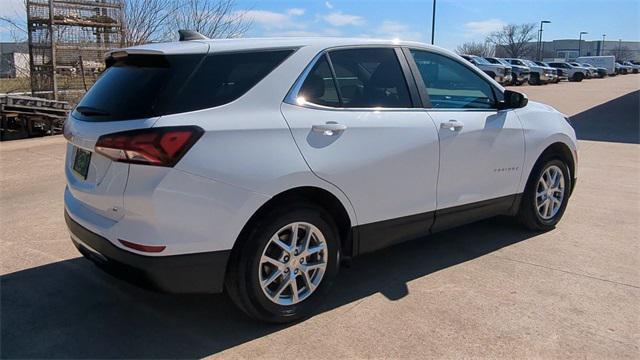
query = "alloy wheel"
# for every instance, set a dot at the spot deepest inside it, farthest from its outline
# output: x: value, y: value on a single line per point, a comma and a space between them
x: 550, y: 192
x: 293, y: 263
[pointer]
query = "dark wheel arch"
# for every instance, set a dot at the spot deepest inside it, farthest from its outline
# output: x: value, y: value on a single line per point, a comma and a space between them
x: 560, y: 151
x: 313, y: 195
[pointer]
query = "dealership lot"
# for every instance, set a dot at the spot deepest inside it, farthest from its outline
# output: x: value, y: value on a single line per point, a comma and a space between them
x: 489, y: 289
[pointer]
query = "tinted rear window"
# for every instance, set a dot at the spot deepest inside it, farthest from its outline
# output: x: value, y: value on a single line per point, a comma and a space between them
x: 142, y: 86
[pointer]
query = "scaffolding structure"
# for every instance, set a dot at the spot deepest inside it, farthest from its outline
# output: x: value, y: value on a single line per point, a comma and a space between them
x: 67, y: 43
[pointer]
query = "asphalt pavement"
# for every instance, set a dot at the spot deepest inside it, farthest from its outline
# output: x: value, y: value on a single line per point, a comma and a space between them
x: 486, y: 290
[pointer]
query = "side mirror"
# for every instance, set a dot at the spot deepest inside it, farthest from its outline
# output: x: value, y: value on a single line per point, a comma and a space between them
x: 513, y: 100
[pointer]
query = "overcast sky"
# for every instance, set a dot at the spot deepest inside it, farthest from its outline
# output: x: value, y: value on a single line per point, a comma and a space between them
x: 457, y: 21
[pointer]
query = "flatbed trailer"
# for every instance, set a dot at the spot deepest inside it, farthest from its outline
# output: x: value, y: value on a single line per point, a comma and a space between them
x: 25, y: 116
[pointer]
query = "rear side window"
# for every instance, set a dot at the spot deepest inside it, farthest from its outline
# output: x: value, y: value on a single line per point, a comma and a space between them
x: 319, y: 86
x: 370, y: 78
x: 142, y: 86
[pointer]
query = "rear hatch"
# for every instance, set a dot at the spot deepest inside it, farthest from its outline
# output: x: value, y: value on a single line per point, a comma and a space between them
x: 132, y: 93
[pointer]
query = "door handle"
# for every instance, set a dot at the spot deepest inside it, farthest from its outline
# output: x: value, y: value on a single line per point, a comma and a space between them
x: 329, y: 128
x: 452, y: 125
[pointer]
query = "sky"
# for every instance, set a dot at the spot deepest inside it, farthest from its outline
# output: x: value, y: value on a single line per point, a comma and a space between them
x: 457, y: 21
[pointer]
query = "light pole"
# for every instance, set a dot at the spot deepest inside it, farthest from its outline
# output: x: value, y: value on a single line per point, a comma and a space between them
x: 602, y: 47
x: 619, y: 50
x: 433, y: 23
x: 540, y: 45
x: 580, y: 43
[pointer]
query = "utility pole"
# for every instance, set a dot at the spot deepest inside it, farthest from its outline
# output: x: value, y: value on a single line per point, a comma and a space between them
x: 433, y: 23
x: 580, y: 43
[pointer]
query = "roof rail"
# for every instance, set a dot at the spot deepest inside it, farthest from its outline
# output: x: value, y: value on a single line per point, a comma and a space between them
x: 186, y: 35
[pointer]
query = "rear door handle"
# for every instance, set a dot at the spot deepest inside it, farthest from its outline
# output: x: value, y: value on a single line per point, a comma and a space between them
x: 329, y: 128
x: 452, y: 125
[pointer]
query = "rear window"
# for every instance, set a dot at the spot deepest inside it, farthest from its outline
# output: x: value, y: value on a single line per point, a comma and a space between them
x: 142, y: 86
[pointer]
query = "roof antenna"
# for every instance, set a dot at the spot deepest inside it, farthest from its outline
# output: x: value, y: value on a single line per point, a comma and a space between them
x: 186, y: 35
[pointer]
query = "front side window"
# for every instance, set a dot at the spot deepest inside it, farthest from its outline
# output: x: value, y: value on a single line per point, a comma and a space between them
x: 369, y: 78
x: 450, y: 84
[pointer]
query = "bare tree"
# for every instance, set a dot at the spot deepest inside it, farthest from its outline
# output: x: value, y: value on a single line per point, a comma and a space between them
x: 514, y: 39
x: 146, y: 20
x: 16, y: 24
x: 622, y: 53
x: 212, y: 18
x: 477, y: 48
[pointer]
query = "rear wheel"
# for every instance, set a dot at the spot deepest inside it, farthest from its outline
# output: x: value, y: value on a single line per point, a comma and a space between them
x: 285, y: 265
x: 546, y: 196
x: 578, y: 77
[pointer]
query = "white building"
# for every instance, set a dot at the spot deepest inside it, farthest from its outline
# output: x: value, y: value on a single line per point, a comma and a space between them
x: 14, y: 60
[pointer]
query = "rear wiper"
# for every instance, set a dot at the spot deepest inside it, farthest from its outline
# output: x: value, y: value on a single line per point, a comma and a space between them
x: 91, y: 111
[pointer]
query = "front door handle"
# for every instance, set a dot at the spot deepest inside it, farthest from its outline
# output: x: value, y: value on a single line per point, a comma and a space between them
x: 329, y: 128
x: 452, y: 125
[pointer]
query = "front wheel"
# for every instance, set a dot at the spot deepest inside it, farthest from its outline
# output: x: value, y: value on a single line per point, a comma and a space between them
x: 534, y: 79
x: 578, y: 77
x: 514, y: 80
x: 285, y: 264
x: 545, y: 198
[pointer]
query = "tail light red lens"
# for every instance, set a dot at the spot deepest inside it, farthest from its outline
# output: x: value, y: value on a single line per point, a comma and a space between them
x: 163, y: 146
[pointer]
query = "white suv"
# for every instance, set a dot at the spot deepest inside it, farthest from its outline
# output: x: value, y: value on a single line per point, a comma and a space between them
x: 254, y: 166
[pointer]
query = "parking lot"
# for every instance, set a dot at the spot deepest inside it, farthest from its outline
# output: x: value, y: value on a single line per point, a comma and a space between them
x: 489, y: 289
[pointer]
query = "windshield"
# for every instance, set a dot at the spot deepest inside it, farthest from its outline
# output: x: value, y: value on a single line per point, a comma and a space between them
x: 530, y: 63
x: 492, y: 60
x: 480, y: 60
x: 504, y: 62
x: 143, y: 86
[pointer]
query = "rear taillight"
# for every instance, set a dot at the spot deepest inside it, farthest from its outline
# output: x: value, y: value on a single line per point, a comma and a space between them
x: 163, y: 146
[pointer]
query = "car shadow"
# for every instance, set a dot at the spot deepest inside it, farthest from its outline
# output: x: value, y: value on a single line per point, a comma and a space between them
x: 71, y: 309
x: 614, y: 121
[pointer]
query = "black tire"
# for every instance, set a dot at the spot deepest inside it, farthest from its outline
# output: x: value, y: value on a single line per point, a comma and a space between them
x: 242, y: 281
x: 514, y: 79
x: 578, y: 77
x: 534, y: 79
x: 528, y: 214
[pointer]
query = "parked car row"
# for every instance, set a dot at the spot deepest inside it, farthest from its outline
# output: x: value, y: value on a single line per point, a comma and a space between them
x: 514, y: 71
x: 627, y: 67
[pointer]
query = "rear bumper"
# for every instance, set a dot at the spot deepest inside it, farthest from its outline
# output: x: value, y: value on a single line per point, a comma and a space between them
x: 189, y: 273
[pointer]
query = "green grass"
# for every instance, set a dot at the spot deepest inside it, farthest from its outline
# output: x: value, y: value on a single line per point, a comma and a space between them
x: 14, y: 85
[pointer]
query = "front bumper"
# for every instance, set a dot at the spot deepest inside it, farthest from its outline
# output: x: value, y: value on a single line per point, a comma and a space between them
x: 189, y: 273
